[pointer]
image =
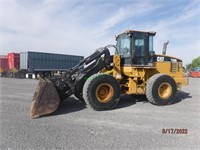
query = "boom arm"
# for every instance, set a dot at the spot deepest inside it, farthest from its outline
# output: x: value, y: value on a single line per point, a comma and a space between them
x: 75, y: 78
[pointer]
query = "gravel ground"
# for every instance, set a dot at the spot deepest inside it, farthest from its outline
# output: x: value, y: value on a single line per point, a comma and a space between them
x: 134, y: 124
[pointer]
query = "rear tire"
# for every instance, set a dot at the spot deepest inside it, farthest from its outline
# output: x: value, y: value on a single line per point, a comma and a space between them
x: 161, y: 89
x: 101, y: 92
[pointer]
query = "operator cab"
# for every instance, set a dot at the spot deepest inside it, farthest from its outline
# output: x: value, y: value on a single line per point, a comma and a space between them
x: 135, y: 47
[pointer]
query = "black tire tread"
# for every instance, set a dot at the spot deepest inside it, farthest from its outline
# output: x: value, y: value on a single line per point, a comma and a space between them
x: 86, y: 97
x: 150, y: 84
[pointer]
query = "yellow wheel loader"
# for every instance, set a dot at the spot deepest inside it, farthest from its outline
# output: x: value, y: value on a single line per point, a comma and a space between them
x: 100, y: 78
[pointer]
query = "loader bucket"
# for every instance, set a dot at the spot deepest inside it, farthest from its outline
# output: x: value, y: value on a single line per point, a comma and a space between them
x: 45, y: 100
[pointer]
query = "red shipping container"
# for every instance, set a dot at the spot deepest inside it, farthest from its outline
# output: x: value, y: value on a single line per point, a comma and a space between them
x: 195, y: 74
x: 3, y: 63
x: 13, y: 61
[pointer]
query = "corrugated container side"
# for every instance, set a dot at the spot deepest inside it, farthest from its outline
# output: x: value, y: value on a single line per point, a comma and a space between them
x: 13, y: 61
x: 24, y: 60
x: 3, y: 63
x: 35, y: 61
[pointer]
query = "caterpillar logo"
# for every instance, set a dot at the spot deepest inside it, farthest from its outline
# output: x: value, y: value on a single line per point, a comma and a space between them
x: 160, y: 58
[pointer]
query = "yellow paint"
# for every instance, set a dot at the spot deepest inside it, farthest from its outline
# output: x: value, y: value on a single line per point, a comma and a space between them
x: 107, y: 71
x: 104, y: 92
x: 136, y: 77
x: 165, y: 90
x: 117, y: 67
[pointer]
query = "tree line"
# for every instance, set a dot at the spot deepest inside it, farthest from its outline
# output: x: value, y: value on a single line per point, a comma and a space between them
x: 195, y: 63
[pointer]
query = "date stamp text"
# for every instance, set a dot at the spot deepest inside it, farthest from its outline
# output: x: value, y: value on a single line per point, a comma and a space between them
x: 174, y: 131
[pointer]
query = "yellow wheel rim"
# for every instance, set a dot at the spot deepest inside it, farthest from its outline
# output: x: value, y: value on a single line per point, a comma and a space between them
x: 165, y: 90
x: 104, y: 92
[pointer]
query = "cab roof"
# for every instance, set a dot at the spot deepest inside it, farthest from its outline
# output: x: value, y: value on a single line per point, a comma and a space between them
x: 136, y: 31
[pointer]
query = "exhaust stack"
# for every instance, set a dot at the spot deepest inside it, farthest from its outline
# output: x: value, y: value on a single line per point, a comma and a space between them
x: 165, y: 47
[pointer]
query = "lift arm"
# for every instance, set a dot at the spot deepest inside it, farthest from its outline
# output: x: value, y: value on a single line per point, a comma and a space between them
x: 75, y: 78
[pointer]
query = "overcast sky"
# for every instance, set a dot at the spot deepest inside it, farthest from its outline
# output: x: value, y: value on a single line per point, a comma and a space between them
x: 80, y: 26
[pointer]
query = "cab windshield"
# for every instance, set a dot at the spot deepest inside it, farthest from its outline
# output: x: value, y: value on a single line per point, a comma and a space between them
x: 123, y: 45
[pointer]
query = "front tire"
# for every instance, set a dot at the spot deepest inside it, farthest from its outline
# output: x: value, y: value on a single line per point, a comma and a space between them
x: 161, y: 89
x: 101, y: 92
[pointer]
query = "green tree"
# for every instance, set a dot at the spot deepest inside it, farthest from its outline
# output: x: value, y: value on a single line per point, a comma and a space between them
x: 188, y: 66
x: 196, y: 62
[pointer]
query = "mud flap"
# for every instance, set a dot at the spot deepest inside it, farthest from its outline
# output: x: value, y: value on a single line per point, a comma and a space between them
x: 45, y: 100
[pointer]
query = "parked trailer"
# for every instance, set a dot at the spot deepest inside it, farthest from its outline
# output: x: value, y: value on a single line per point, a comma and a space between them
x: 45, y: 64
x: 3, y: 65
x: 13, y: 64
x: 13, y: 61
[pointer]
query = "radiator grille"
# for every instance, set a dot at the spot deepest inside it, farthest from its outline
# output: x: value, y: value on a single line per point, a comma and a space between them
x: 174, y: 67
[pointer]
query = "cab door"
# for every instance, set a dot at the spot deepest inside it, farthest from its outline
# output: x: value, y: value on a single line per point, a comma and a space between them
x: 140, y: 49
x: 125, y: 49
